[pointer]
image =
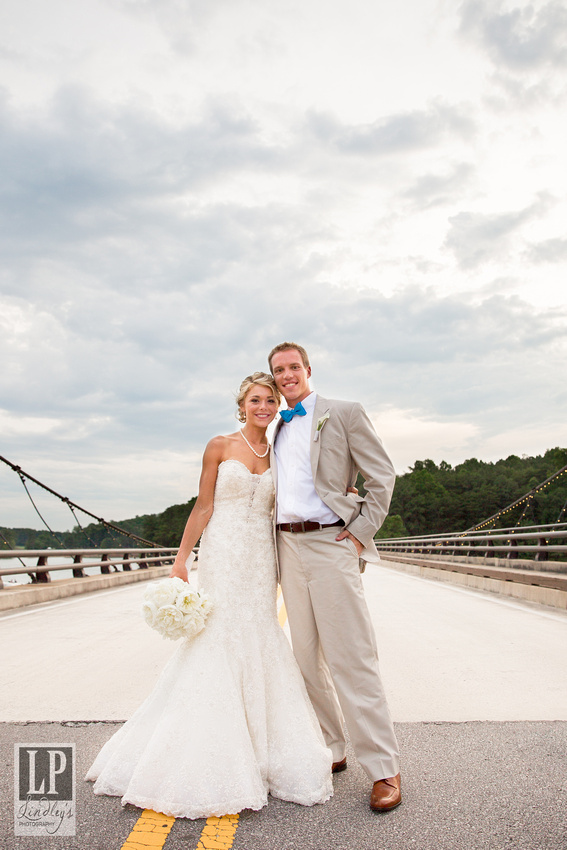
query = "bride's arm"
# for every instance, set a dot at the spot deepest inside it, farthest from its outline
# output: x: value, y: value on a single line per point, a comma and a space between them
x: 203, y: 508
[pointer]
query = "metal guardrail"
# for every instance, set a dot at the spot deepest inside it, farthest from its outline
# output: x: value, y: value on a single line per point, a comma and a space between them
x: 107, y: 560
x: 538, y: 544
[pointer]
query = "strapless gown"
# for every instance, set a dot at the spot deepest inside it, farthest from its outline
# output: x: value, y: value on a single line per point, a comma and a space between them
x: 229, y: 720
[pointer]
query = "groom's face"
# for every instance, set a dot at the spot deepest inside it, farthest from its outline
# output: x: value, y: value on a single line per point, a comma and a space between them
x: 291, y: 376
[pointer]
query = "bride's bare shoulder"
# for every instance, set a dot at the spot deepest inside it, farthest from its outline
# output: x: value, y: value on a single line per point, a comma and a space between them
x: 219, y: 447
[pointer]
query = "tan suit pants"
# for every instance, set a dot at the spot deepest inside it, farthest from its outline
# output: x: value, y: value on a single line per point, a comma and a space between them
x: 335, y: 647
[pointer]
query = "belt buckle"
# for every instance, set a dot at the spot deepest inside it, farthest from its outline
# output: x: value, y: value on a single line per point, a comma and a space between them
x: 299, y: 530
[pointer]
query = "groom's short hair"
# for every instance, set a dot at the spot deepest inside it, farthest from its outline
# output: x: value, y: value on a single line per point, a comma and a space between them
x: 288, y: 346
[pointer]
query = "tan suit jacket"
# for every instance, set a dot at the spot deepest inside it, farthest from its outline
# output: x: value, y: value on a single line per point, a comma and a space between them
x: 345, y: 444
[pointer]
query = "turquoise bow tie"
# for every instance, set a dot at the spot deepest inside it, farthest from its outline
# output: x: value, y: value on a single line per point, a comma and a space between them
x: 287, y: 415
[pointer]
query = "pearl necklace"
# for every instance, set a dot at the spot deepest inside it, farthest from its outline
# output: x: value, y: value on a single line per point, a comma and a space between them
x: 252, y: 449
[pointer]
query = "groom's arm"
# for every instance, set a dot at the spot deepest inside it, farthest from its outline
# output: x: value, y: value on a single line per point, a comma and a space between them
x: 378, y: 472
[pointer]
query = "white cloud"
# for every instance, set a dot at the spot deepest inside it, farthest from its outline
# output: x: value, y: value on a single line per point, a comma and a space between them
x: 434, y: 189
x: 476, y: 238
x: 522, y: 36
x: 400, y: 133
x: 411, y: 435
x: 24, y: 426
x: 524, y: 441
x: 552, y: 250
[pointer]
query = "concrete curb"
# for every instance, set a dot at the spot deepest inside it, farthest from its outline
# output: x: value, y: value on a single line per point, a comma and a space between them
x: 455, y: 574
x: 476, y: 560
x: 33, y: 594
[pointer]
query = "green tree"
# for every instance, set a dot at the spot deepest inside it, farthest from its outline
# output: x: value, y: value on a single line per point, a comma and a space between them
x: 393, y: 526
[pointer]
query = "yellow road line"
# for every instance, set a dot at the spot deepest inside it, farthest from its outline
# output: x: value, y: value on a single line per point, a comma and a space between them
x: 218, y: 833
x: 282, y: 613
x: 149, y: 832
x: 152, y: 828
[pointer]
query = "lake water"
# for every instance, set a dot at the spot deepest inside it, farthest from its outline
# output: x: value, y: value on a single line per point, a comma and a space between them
x: 7, y: 563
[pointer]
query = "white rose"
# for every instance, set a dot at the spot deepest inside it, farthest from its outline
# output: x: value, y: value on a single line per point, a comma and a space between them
x: 193, y: 624
x: 149, y: 589
x: 205, y: 604
x: 149, y: 612
x: 162, y: 593
x: 187, y: 600
x: 168, y: 619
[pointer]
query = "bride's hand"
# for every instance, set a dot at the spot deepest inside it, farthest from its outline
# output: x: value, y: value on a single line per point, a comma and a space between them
x: 179, y: 571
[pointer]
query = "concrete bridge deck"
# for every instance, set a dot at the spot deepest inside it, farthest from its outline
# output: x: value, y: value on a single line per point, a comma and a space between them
x: 476, y: 683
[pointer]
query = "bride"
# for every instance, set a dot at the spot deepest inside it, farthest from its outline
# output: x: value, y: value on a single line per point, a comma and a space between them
x: 229, y: 720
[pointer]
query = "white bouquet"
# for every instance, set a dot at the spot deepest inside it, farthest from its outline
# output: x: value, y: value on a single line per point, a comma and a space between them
x: 174, y: 609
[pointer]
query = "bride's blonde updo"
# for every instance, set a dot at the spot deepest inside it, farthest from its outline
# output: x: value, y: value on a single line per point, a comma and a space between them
x: 262, y: 380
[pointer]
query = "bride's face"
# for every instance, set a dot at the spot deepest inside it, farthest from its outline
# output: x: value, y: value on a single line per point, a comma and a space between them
x: 259, y: 405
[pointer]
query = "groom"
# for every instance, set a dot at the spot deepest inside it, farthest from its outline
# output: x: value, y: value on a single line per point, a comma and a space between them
x: 322, y: 531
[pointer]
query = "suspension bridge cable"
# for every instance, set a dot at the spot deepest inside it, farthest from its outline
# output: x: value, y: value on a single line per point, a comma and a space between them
x: 12, y: 549
x: 525, y: 498
x: 93, y: 544
x: 529, y: 504
x: 67, y: 501
x: 54, y: 533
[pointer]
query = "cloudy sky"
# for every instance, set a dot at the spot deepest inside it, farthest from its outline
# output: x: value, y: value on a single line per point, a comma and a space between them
x: 186, y: 183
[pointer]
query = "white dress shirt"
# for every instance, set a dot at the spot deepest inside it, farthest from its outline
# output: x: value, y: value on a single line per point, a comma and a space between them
x: 297, y: 498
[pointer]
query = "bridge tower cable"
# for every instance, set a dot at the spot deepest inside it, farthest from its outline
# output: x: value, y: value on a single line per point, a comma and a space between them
x: 25, y: 475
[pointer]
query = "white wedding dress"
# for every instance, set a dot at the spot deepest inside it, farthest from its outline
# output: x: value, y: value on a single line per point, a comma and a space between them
x: 229, y: 720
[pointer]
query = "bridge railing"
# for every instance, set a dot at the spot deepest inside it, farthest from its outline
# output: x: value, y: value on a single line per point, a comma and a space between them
x: 538, y: 543
x: 104, y: 560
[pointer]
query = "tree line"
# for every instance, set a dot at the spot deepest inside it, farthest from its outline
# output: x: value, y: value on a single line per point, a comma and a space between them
x: 433, y: 498
x: 164, y: 528
x: 427, y: 499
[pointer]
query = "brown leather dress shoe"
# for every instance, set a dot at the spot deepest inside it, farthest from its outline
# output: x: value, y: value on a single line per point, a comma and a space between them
x: 386, y: 794
x: 339, y: 766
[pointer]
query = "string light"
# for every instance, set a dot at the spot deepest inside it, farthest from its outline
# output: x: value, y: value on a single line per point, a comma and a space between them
x: 527, y: 498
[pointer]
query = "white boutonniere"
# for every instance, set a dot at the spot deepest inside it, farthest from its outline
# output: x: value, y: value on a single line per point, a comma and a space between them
x: 320, y: 424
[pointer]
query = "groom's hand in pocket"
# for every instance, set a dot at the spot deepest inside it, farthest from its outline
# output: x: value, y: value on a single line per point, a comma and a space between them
x: 344, y: 533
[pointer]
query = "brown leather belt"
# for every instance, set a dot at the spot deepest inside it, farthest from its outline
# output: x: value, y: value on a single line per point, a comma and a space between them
x: 307, y: 525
